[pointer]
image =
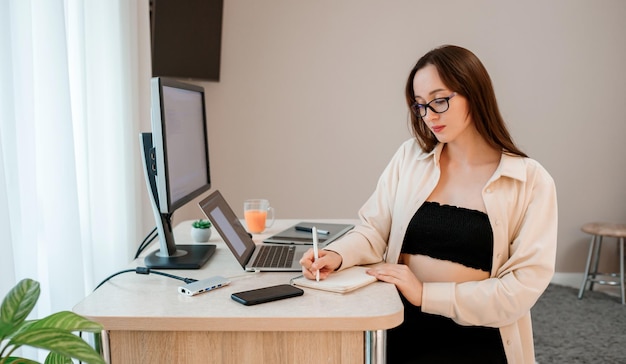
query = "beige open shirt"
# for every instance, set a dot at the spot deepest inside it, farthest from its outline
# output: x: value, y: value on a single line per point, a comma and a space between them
x: 520, y: 199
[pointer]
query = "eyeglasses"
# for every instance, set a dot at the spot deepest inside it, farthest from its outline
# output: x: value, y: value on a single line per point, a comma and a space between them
x: 438, y: 105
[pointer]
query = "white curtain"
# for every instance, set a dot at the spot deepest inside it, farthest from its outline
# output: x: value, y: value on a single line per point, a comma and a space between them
x: 71, y: 76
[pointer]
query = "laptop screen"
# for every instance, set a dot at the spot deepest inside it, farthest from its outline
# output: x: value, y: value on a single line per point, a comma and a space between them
x: 228, y: 230
x: 229, y: 227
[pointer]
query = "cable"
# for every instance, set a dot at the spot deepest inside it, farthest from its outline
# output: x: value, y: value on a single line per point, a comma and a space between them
x: 146, y: 241
x: 186, y: 280
x: 113, y: 275
x: 145, y: 270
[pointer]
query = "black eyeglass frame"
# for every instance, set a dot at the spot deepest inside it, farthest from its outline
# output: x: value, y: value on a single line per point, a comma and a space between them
x: 416, y: 107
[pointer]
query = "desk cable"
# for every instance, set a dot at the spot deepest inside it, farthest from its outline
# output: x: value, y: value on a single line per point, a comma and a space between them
x: 145, y: 270
x: 146, y: 241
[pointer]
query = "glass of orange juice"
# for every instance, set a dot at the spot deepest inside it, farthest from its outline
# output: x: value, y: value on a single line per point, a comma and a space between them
x: 258, y: 215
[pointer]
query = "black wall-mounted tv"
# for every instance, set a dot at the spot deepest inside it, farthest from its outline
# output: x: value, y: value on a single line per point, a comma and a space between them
x: 186, y: 38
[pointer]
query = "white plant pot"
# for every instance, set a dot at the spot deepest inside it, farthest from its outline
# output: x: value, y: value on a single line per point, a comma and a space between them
x: 200, y: 235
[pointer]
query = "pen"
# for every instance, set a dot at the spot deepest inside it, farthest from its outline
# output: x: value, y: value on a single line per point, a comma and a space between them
x: 309, y: 230
x: 315, y: 252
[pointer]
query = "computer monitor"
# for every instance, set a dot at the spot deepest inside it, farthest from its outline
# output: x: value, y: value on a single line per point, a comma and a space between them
x: 176, y: 165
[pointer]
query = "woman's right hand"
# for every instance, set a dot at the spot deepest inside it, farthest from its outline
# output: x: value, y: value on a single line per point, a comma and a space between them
x: 327, y: 263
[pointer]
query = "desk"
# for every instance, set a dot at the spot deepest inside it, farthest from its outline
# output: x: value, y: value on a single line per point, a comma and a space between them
x: 147, y: 321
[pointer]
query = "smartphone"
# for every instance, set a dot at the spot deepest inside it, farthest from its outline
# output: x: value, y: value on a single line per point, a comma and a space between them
x: 266, y: 294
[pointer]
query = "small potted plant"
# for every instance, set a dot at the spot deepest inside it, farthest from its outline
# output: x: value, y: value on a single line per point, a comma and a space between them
x: 201, y: 231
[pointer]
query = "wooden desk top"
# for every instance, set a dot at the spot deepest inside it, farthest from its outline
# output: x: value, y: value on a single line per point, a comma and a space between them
x: 152, y: 303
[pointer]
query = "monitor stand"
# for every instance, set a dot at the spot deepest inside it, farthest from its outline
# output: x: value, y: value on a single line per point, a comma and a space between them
x: 185, y: 257
x: 170, y: 255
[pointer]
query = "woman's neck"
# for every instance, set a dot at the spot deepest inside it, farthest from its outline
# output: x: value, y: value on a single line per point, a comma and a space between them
x: 471, y: 150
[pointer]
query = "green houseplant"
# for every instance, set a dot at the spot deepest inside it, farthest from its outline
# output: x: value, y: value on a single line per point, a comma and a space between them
x: 202, y: 224
x: 201, y: 230
x: 53, y: 333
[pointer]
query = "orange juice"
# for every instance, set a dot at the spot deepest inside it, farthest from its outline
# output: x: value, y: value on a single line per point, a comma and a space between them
x: 255, y: 220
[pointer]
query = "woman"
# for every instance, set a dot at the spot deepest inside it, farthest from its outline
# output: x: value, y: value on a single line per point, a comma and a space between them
x: 463, y: 221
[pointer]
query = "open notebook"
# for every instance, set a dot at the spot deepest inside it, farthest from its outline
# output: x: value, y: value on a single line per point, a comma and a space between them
x: 341, y: 282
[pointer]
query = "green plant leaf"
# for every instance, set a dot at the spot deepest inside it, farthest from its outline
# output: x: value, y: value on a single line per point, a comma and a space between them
x: 68, y: 321
x: 17, y: 305
x: 201, y: 224
x: 61, y: 342
x: 15, y: 360
x: 54, y: 358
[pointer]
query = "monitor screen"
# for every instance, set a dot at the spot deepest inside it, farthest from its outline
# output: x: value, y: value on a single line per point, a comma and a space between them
x: 180, y: 138
x: 176, y: 166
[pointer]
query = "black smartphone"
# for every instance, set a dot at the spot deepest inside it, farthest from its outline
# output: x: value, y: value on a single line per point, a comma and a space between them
x: 266, y: 294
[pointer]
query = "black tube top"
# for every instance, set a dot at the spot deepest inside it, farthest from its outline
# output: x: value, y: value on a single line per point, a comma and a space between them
x: 451, y: 233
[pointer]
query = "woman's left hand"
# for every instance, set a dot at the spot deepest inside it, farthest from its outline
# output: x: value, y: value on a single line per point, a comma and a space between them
x: 402, y: 277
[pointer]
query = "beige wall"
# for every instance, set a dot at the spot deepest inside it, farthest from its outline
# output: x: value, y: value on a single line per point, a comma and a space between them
x: 310, y: 106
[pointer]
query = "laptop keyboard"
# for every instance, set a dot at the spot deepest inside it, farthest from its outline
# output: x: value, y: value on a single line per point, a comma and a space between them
x: 274, y: 256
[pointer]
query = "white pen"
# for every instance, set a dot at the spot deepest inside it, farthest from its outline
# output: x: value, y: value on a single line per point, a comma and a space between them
x: 315, y: 252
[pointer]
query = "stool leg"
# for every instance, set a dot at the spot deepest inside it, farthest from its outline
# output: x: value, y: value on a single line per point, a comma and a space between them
x: 621, y: 268
x: 587, y: 267
x: 594, y: 272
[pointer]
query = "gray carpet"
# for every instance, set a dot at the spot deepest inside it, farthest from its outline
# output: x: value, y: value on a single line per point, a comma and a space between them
x: 571, y: 331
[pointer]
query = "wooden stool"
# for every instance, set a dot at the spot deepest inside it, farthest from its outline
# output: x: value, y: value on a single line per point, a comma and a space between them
x: 598, y: 231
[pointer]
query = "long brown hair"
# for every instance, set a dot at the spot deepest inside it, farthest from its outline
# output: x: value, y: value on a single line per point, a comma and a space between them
x: 462, y: 72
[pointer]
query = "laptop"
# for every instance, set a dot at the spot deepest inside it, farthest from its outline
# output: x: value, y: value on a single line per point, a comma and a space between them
x: 252, y: 257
